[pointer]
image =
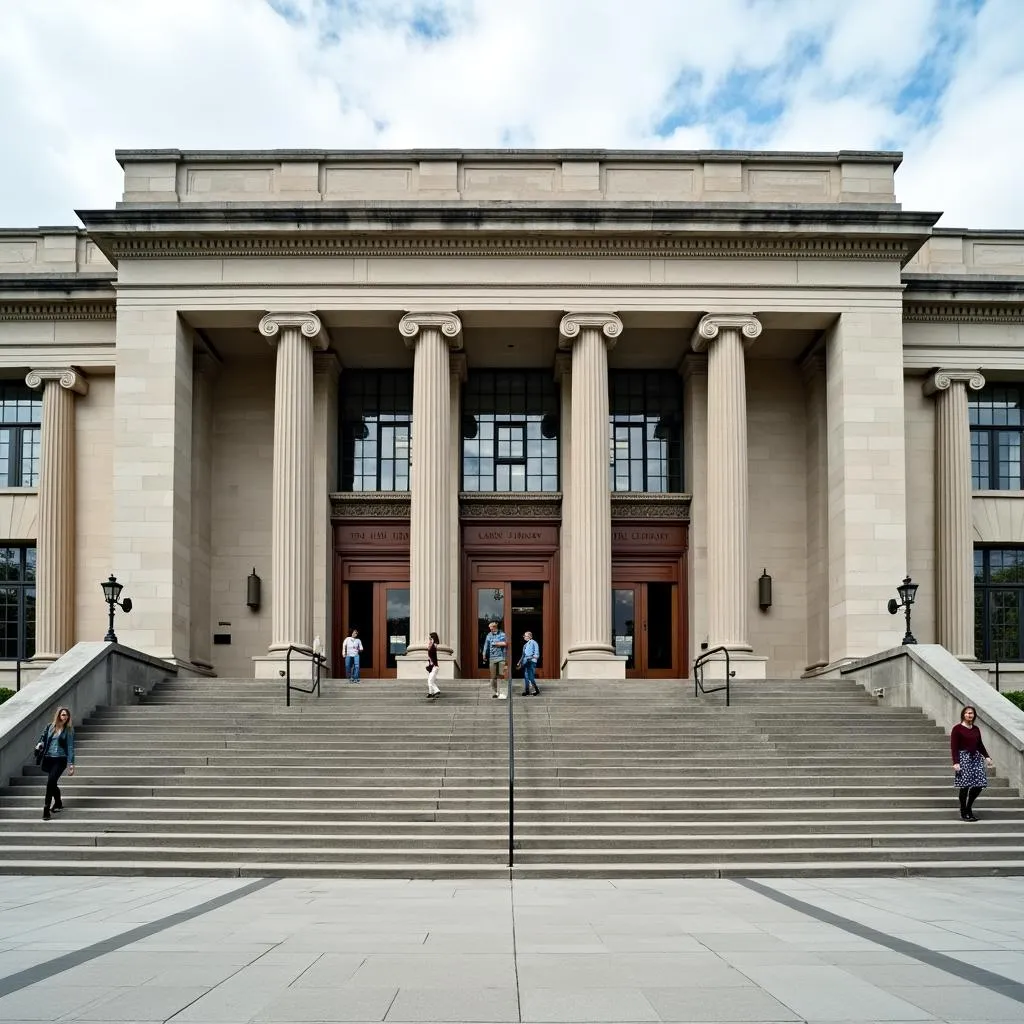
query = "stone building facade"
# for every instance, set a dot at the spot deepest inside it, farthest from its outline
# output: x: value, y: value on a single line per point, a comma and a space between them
x: 597, y: 395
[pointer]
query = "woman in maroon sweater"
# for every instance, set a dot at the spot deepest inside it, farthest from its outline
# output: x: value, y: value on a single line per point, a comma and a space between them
x: 969, y: 760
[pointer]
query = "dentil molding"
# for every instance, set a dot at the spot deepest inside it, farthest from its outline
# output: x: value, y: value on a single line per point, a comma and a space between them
x: 943, y: 380
x: 962, y: 313
x: 503, y: 245
x: 67, y: 377
x: 58, y: 311
x: 713, y: 324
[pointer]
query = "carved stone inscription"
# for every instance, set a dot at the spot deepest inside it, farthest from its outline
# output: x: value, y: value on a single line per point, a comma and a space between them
x: 642, y: 536
x: 497, y: 538
x: 371, y: 537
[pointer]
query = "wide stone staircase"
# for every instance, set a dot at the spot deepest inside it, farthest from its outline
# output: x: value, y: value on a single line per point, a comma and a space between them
x: 633, y: 778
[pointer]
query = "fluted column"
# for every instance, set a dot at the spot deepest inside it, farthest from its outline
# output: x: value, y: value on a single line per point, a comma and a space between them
x: 725, y: 337
x: 563, y: 375
x: 432, y: 336
x: 55, y: 530
x: 954, y: 553
x: 291, y: 553
x: 457, y: 365
x: 591, y: 655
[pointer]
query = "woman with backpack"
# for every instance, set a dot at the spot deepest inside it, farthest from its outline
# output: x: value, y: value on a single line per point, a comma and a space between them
x: 55, y: 752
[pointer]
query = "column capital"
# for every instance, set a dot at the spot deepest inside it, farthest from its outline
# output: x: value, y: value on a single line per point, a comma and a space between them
x: 943, y: 380
x: 68, y: 377
x: 307, y: 323
x: 448, y: 324
x: 573, y: 323
x: 710, y: 325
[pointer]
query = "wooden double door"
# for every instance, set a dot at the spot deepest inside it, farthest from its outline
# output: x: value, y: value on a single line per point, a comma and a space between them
x: 517, y: 606
x: 380, y: 611
x: 646, y: 628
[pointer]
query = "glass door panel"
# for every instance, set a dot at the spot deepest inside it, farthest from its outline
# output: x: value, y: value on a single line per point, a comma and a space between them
x: 624, y: 619
x: 396, y: 617
x: 489, y: 605
x: 659, y: 627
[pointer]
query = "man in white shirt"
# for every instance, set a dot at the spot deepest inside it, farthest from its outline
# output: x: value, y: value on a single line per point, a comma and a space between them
x: 351, y: 649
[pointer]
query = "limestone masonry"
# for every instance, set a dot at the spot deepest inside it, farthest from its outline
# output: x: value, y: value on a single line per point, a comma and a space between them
x: 595, y: 395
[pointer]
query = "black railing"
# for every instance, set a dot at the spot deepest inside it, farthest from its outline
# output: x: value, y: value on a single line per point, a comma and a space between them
x: 317, y: 661
x: 511, y: 771
x: 698, y: 673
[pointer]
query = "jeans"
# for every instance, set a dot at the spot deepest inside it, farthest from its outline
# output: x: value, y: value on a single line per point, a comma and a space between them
x: 529, y: 674
x: 352, y: 667
x: 54, y: 768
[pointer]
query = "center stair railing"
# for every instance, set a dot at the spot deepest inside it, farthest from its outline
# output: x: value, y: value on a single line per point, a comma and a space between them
x: 698, y: 672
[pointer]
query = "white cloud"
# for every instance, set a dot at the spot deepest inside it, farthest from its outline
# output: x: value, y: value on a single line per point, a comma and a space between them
x: 78, y: 80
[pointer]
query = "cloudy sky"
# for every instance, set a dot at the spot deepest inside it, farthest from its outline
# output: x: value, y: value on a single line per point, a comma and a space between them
x: 941, y: 80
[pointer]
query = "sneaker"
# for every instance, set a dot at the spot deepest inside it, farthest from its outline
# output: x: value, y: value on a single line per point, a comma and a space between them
x: 57, y: 810
x: 494, y: 696
x: 46, y: 814
x: 970, y: 816
x: 536, y: 692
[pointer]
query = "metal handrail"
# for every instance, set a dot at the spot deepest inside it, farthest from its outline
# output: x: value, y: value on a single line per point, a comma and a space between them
x: 698, y: 673
x: 511, y: 771
x: 318, y: 662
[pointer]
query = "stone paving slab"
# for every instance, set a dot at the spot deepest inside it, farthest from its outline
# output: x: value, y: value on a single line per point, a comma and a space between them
x: 823, y: 951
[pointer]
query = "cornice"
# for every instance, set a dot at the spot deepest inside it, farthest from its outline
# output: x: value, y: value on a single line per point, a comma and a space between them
x: 638, y: 505
x: 72, y: 310
x: 511, y: 245
x: 962, y: 312
x: 490, y: 505
x: 370, y: 505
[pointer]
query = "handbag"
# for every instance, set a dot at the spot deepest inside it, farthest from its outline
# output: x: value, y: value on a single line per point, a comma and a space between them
x: 41, y: 747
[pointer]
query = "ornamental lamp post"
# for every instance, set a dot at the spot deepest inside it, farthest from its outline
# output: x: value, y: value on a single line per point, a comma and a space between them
x: 111, y: 592
x: 908, y: 592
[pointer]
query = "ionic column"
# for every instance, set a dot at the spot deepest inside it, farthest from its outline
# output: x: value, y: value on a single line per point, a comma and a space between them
x: 291, y: 553
x: 459, y: 372
x: 55, y: 530
x: 432, y: 336
x: 591, y: 655
x: 725, y: 338
x: 954, y: 551
x: 563, y: 375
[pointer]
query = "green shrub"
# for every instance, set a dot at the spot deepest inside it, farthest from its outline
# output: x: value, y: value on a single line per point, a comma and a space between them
x: 5, y: 694
x: 1015, y: 697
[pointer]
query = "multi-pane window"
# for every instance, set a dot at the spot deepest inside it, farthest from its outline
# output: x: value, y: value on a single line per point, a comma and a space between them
x: 998, y: 604
x: 376, y: 430
x: 17, y: 601
x: 996, y: 431
x: 20, y: 413
x: 510, y: 431
x: 645, y: 431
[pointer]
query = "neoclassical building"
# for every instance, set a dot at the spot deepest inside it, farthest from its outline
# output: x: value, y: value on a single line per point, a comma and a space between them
x: 601, y: 396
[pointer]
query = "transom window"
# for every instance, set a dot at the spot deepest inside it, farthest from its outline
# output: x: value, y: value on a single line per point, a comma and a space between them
x: 645, y: 431
x: 996, y: 430
x: 20, y: 414
x: 376, y: 430
x: 510, y: 431
x: 17, y: 601
x: 998, y: 604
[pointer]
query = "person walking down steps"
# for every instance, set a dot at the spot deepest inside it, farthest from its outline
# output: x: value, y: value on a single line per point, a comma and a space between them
x: 351, y: 649
x: 494, y: 656
x: 970, y: 759
x: 55, y: 752
x: 432, y: 687
x: 528, y: 663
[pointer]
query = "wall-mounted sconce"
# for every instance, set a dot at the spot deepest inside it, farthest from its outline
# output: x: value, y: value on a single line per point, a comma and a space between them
x: 764, y: 590
x: 253, y: 586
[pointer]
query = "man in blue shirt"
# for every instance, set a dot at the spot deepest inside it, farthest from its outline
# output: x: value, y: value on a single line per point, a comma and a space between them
x: 528, y: 662
x: 494, y: 655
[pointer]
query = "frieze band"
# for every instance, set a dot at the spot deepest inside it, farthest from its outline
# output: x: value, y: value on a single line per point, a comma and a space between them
x: 353, y: 505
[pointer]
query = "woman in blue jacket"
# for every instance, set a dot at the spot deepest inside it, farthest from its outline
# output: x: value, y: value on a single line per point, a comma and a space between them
x: 57, y: 746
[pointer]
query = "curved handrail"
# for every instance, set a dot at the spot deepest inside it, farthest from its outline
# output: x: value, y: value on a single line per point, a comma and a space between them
x: 318, y: 662
x: 698, y: 673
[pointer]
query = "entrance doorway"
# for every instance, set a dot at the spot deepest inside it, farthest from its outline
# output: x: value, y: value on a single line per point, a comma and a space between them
x: 645, y: 628
x: 517, y: 606
x: 380, y: 611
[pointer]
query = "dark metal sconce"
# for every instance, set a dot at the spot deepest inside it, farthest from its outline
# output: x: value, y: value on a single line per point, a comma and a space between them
x: 908, y: 592
x: 252, y: 590
x: 111, y: 594
x: 764, y: 590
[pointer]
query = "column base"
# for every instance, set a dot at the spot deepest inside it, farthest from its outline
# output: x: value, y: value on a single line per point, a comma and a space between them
x: 743, y: 663
x: 272, y: 666
x: 413, y: 664
x: 594, y: 665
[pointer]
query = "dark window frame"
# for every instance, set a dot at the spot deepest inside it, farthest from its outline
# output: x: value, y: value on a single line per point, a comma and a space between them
x: 22, y: 645
x: 523, y: 403
x: 994, y: 434
x: 642, y: 404
x: 374, y: 415
x: 21, y: 411
x: 1002, y: 598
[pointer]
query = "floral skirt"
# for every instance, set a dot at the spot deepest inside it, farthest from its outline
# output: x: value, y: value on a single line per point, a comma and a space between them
x: 972, y: 771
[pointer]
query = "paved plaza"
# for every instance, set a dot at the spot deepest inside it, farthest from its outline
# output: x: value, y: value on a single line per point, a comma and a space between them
x: 233, y: 950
